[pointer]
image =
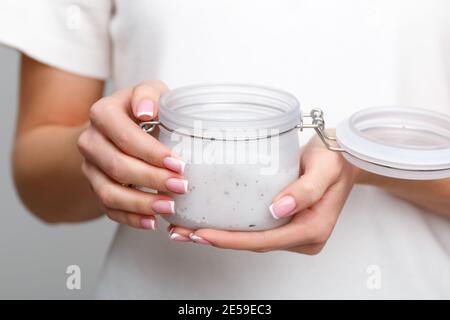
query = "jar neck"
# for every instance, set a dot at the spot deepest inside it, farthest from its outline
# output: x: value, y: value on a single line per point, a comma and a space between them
x: 232, y: 110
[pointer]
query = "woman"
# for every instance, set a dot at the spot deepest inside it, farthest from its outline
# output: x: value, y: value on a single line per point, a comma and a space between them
x: 76, y: 152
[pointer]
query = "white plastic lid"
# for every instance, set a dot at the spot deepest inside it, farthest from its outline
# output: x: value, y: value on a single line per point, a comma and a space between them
x: 398, y: 142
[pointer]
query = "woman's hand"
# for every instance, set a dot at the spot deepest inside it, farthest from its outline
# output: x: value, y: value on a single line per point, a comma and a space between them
x: 314, y: 200
x: 117, y: 153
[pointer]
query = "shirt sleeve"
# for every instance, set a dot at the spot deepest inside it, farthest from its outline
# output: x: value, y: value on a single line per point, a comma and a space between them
x: 72, y: 35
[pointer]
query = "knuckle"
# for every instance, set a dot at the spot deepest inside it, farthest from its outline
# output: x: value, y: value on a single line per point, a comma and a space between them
x: 308, y: 186
x: 82, y: 142
x: 142, y: 205
x: 111, y: 216
x: 85, y: 141
x: 336, y: 170
x: 100, y: 109
x: 106, y: 195
x: 151, y: 157
x: 115, y: 169
x: 122, y: 141
x: 132, y: 220
x: 147, y: 89
x: 157, y: 178
x: 146, y: 205
x: 309, y: 189
x: 96, y: 111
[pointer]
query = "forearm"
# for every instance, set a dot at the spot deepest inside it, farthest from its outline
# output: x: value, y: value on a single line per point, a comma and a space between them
x: 48, y: 177
x: 432, y: 195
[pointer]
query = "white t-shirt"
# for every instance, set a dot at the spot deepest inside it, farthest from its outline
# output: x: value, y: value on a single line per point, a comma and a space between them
x: 338, y: 55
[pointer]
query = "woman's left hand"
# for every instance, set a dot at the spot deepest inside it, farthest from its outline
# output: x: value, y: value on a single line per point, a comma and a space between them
x: 315, y: 201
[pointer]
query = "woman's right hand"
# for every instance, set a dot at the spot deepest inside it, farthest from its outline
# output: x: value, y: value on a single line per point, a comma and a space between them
x: 118, y: 153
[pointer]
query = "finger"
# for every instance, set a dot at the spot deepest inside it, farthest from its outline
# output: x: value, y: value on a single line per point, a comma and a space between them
x: 111, y: 116
x: 306, y: 228
x: 116, y: 196
x: 261, y: 241
x: 179, y: 234
x: 132, y: 220
x: 145, y: 100
x: 128, y: 170
x: 310, y: 226
x: 318, y: 176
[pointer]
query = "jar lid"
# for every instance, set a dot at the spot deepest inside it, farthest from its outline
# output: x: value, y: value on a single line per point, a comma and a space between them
x: 399, y: 142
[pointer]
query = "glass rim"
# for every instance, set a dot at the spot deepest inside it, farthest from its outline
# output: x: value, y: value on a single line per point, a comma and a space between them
x: 284, y: 103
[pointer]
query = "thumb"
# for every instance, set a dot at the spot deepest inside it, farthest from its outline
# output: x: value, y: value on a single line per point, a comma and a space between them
x: 299, y: 195
x: 145, y: 100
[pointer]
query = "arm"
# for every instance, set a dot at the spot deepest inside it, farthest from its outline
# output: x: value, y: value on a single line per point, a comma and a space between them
x: 431, y: 195
x: 54, y: 108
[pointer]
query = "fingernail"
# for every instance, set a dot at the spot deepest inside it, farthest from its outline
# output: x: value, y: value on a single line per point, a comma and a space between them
x: 174, y: 164
x: 177, y: 185
x: 145, y: 109
x: 198, y: 239
x: 178, y: 237
x: 164, y: 206
x: 282, y: 207
x: 148, y: 223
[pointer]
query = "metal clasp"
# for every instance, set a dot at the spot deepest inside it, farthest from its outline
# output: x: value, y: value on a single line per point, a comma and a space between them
x: 318, y: 124
x: 149, y: 126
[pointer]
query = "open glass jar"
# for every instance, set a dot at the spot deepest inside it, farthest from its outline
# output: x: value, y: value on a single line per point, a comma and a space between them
x: 241, y: 146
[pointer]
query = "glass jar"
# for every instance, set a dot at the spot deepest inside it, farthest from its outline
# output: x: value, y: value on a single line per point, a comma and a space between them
x: 241, y: 150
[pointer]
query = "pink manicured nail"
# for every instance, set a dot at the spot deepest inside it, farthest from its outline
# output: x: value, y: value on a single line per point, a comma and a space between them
x: 145, y: 109
x: 174, y: 164
x: 282, y: 207
x: 164, y: 206
x: 148, y: 223
x: 178, y: 237
x: 198, y: 239
x: 177, y: 185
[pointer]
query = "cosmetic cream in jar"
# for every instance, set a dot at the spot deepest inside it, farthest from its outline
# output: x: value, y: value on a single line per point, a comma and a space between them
x: 241, y: 149
x: 241, y: 146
